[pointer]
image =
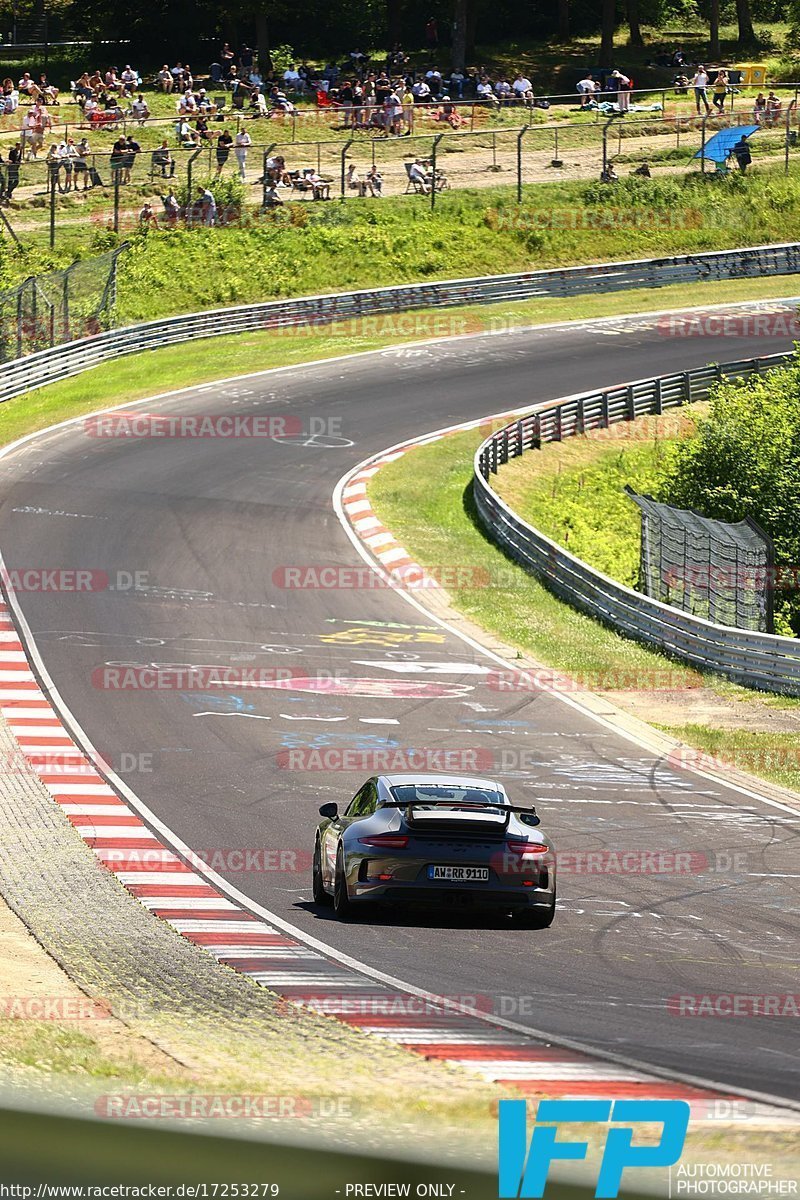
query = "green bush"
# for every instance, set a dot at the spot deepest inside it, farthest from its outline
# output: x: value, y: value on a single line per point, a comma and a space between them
x: 743, y: 460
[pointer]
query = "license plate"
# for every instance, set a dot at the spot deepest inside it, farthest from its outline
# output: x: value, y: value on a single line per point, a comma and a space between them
x: 460, y: 874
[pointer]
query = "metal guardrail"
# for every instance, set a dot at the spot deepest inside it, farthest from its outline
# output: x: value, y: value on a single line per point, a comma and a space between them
x: 48, y: 366
x: 755, y: 659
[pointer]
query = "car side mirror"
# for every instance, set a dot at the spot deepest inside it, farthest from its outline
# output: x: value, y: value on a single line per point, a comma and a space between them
x: 330, y: 811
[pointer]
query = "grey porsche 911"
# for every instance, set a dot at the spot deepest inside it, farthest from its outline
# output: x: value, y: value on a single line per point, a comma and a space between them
x: 435, y: 840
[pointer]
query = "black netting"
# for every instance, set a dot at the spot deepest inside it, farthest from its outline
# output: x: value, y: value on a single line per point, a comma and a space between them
x: 722, y: 572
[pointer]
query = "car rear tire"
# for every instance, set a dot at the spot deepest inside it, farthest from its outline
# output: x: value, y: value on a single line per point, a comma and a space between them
x: 535, y: 918
x: 317, y: 886
x: 342, y: 904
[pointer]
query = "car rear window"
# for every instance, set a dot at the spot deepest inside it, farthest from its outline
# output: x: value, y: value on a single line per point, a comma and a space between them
x: 412, y: 793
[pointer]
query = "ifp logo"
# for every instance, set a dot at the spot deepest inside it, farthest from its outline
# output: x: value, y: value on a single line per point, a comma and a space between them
x: 521, y: 1180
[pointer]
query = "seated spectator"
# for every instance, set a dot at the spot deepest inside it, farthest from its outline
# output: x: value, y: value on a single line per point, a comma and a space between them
x: 502, y: 90
x: 147, y: 218
x: 456, y: 85
x: 130, y: 80
x: 165, y: 79
x: 204, y: 103
x: 291, y: 79
x: 331, y: 75
x: 773, y: 108
x: 271, y: 197
x: 91, y: 108
x: 48, y: 92
x: 186, y: 105
x: 27, y: 87
x: 83, y: 89
x: 354, y: 182
x: 207, y: 206
x: 139, y: 109
x: 523, y: 89
x: 258, y: 103
x: 418, y: 175
x: 421, y: 92
x: 162, y: 160
x: 759, y: 108
x: 279, y: 101
x: 433, y: 78
x: 96, y: 82
x: 112, y: 81
x: 374, y: 181
x: 586, y: 88
x: 485, y: 93
x: 10, y: 102
x: 179, y: 77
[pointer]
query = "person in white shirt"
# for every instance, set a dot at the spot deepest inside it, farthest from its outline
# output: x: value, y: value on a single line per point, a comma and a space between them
x: 165, y: 79
x: 502, y: 89
x: 523, y: 88
x: 129, y: 79
x: 291, y: 78
x: 586, y: 89
x: 11, y: 102
x: 700, y: 83
x: 623, y: 91
x: 485, y: 92
x: 240, y: 145
x: 421, y: 92
x: 139, y: 110
x: 416, y: 173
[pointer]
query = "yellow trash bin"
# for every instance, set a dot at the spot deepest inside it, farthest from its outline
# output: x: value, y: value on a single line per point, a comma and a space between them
x: 753, y: 74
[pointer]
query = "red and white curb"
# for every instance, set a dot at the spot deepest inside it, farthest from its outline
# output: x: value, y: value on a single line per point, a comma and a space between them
x: 169, y: 886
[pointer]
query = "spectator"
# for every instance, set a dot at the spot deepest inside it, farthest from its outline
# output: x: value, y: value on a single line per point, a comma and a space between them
x: 139, y: 109
x: 130, y: 80
x: 69, y: 156
x: 179, y: 76
x: 291, y: 78
x: 502, y: 90
x: 12, y: 174
x: 720, y: 90
x: 83, y: 89
x: 374, y: 181
x: 485, y: 92
x: 171, y: 208
x: 165, y: 79
x: 523, y: 89
x: 759, y: 108
x: 224, y: 143
x: 433, y: 78
x: 132, y: 148
x: 354, y: 181
x: 10, y: 99
x: 227, y: 59
x: 118, y: 159
x: 207, y: 206
x: 408, y: 110
x: 33, y: 130
x: 421, y: 92
x: 81, y: 165
x: 163, y: 160
x: 240, y: 146
x: 586, y: 89
x: 456, y: 85
x: 147, y: 218
x: 700, y: 85
x: 271, y: 197
x: 48, y: 92
x: 245, y: 59
x: 432, y: 34
x: 418, y: 175
x: 623, y: 91
x: 742, y: 154
x: 773, y: 108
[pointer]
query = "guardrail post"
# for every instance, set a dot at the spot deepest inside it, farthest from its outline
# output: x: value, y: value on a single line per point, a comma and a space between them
x: 580, y: 420
x: 604, y: 410
x: 520, y: 136
x: 687, y: 387
x: 630, y: 403
x: 557, y: 425
x: 659, y: 396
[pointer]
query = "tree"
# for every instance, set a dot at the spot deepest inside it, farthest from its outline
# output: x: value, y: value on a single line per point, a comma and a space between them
x: 744, y: 19
x: 609, y: 22
x: 713, y: 41
x: 635, y: 31
x: 460, y: 34
x: 563, y: 20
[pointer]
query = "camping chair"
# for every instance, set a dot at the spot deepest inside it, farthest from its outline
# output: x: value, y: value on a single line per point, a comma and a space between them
x: 413, y: 185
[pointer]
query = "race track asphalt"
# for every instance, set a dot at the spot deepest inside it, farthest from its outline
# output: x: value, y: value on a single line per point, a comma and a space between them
x: 210, y: 522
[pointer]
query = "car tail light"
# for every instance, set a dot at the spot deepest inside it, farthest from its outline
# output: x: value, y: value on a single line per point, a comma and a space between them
x: 385, y: 841
x: 526, y: 848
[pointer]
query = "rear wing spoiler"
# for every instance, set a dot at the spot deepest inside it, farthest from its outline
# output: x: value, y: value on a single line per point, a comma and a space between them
x: 504, y: 809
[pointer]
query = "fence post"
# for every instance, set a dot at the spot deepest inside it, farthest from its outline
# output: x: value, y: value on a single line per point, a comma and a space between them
x: 116, y: 171
x: 703, y: 145
x: 786, y: 141
x: 53, y: 169
x: 520, y: 136
x: 189, y: 172
x: 345, y: 148
x: 267, y: 153
x: 434, y: 148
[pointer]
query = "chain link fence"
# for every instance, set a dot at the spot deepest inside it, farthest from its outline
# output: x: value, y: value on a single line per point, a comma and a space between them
x: 47, y: 310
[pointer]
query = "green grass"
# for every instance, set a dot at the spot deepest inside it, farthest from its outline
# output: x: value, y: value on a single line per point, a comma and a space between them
x: 775, y: 756
x: 574, y: 490
x: 425, y: 499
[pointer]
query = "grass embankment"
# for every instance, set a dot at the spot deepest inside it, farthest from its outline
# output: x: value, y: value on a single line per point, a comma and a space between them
x: 330, y: 247
x: 425, y: 499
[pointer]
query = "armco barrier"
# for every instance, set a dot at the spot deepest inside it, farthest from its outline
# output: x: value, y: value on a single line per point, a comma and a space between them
x: 47, y: 366
x: 758, y: 660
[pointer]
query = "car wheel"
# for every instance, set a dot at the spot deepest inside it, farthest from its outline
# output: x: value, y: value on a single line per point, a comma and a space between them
x: 342, y: 904
x: 317, y: 886
x: 535, y: 918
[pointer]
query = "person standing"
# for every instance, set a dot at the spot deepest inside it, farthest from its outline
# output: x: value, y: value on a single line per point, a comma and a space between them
x: 241, y: 143
x: 13, y: 164
x: 224, y: 143
x: 720, y: 90
x: 700, y: 85
x: 623, y: 91
x: 742, y: 153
